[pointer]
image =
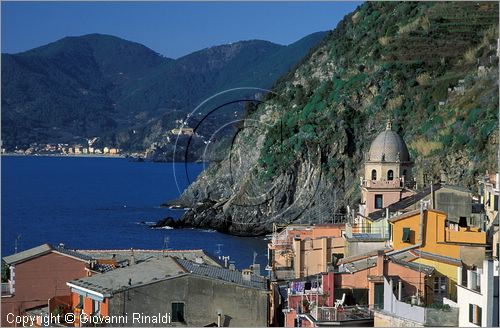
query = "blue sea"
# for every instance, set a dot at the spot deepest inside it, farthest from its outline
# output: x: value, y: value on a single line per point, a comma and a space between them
x: 99, y: 203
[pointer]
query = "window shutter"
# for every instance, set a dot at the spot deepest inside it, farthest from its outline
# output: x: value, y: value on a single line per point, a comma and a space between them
x: 471, y: 313
x: 479, y: 315
x: 406, y: 234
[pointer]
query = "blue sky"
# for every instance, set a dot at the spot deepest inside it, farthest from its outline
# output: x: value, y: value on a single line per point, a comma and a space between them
x: 173, y: 29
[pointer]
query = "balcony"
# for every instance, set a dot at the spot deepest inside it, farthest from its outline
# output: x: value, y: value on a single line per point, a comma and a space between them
x: 281, y: 238
x: 465, y: 235
x: 7, y: 289
x: 383, y: 184
x: 367, y: 232
x: 340, y: 316
x: 436, y: 315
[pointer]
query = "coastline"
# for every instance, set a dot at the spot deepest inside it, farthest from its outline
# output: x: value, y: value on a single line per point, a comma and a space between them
x: 61, y: 155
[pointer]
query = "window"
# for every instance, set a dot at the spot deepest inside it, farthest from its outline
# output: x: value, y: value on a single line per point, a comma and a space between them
x: 404, y: 173
x: 462, y: 222
x: 495, y: 203
x: 335, y: 258
x: 96, y: 307
x: 406, y: 235
x: 378, y: 201
x: 374, y: 174
x: 80, y: 302
x: 390, y: 175
x: 440, y: 288
x: 475, y: 314
x: 178, y: 312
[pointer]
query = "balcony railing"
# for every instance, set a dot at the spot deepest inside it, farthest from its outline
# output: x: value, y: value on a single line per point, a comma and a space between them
x: 280, y: 239
x: 345, y: 313
x: 7, y: 288
x: 367, y: 232
x: 396, y: 183
x: 312, y: 291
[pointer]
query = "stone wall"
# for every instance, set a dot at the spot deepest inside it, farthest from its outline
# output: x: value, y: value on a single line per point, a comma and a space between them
x: 203, y: 298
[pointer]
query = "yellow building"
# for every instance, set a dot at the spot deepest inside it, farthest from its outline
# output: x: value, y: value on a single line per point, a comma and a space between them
x: 431, y: 239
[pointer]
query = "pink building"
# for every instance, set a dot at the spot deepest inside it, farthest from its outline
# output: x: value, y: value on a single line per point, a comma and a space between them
x: 387, y: 172
x: 38, y: 275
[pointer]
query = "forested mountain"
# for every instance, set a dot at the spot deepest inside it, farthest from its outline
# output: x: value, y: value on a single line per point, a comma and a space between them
x: 103, y: 86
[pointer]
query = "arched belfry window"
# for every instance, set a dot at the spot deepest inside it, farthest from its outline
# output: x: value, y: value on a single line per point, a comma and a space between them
x: 374, y: 174
x: 390, y: 175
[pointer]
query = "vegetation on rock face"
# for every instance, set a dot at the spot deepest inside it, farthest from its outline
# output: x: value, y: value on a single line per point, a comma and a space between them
x: 443, y: 103
x: 126, y: 94
x: 430, y: 67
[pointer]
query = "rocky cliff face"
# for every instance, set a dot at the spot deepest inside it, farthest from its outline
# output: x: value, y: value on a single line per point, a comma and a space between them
x: 432, y: 68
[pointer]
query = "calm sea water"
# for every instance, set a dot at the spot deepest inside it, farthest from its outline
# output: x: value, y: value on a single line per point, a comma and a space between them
x: 98, y: 203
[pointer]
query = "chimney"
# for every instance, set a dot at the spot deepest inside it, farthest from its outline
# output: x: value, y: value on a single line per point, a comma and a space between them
x: 380, y: 262
x: 61, y: 245
x: 232, y: 267
x: 132, y: 257
x: 246, y: 274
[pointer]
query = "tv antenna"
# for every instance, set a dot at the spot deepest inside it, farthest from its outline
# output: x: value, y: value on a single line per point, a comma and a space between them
x: 16, y: 243
x: 219, y: 246
x: 166, y: 240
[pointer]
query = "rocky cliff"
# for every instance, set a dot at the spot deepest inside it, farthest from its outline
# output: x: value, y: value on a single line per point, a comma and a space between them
x: 432, y: 68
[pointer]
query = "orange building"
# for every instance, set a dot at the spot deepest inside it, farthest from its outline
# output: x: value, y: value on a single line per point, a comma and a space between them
x: 429, y: 238
x: 299, y: 251
x: 429, y: 231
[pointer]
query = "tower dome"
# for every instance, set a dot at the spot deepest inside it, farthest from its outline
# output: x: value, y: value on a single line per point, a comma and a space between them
x: 388, y: 146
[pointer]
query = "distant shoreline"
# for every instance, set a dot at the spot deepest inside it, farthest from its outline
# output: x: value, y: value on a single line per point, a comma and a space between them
x: 61, y: 155
x: 93, y: 156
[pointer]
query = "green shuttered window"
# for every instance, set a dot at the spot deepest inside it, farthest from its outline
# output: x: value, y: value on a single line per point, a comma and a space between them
x: 406, y: 235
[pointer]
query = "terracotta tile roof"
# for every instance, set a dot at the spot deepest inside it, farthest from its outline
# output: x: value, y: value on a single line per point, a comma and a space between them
x: 233, y: 276
x: 42, y: 250
x: 158, y: 269
x: 404, y: 203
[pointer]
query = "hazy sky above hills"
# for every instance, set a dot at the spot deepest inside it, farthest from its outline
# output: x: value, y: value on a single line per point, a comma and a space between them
x: 171, y: 28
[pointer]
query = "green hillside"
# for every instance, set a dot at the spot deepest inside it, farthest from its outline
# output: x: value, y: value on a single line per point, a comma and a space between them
x: 432, y: 68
